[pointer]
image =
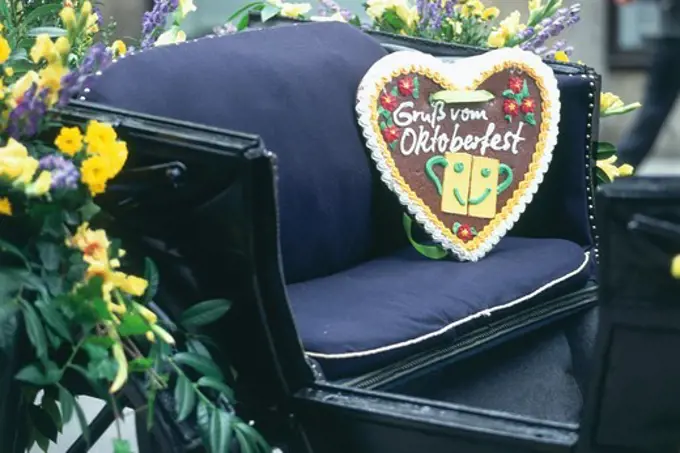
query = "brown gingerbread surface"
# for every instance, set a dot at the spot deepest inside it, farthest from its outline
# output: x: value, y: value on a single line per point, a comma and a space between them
x: 494, y: 134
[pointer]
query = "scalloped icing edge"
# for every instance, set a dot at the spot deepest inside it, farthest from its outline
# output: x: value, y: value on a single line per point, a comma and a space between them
x: 472, y: 68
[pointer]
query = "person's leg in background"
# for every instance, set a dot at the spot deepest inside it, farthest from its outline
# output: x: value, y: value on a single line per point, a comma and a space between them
x: 663, y: 87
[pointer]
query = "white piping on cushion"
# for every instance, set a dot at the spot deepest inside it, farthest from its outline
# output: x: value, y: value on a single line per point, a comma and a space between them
x: 443, y: 330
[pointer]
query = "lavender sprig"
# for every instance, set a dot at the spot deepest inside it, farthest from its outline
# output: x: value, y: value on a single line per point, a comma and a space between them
x: 24, y: 119
x: 65, y: 175
x: 553, y: 26
x: 97, y: 59
x: 331, y: 7
x: 153, y: 21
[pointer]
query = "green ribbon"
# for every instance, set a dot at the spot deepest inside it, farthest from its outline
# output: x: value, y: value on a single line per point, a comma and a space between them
x: 434, y: 252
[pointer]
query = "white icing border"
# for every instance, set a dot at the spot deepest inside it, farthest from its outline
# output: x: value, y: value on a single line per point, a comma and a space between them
x: 445, y: 329
x: 462, y: 73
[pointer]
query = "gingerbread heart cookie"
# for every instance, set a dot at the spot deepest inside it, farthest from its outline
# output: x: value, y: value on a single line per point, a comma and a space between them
x: 465, y: 145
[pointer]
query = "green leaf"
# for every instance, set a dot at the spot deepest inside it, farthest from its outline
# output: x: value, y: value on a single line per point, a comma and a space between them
x: 605, y: 150
x: 529, y: 118
x: 67, y: 402
x: 219, y: 386
x: 34, y: 329
x: 389, y: 122
x: 34, y: 374
x: 54, y: 319
x: 42, y: 12
x: 220, y: 431
x: 394, y: 92
x: 244, y: 441
x: 132, y: 324
x: 203, y: 421
x: 620, y: 110
x: 140, y: 365
x: 393, y: 145
x: 383, y: 112
x: 89, y: 210
x: 525, y: 90
x: 121, y: 446
x: 6, y: 247
x: 50, y: 407
x: 268, y: 12
x: 243, y: 22
x: 601, y: 175
x: 204, y: 313
x: 53, y: 32
x: 254, y: 437
x: 82, y: 421
x: 244, y: 9
x: 185, y: 398
x: 204, y: 366
x: 43, y: 423
x: 151, y: 276
x: 508, y: 118
x: 509, y: 94
x: 42, y: 441
x: 199, y: 348
x: 416, y: 88
x: 462, y: 97
x: 383, y: 125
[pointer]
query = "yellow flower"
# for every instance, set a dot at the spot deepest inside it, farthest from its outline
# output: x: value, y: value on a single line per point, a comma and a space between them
x: 116, y: 154
x: 50, y: 78
x: 98, y: 135
x: 68, y: 17
x: 9, y: 72
x: 93, y: 243
x: 119, y: 48
x: 376, y: 8
x: 170, y: 36
x: 610, y: 101
x: 534, y: 5
x: 5, y: 206
x: 295, y: 10
x: 5, y: 50
x: 69, y: 141
x: 471, y: 8
x: 186, y: 7
x: 41, y: 186
x: 20, y: 87
x: 16, y: 164
x: 512, y: 24
x: 562, y: 56
x: 91, y: 26
x: 456, y: 26
x: 44, y: 48
x: 406, y: 14
x: 62, y: 45
x: 94, y: 173
x: 162, y: 334
x: 132, y: 285
x: 122, y: 373
x: 675, y: 266
x: 147, y: 314
x: 608, y: 166
x: 490, y: 13
x: 497, y: 38
x: 86, y: 9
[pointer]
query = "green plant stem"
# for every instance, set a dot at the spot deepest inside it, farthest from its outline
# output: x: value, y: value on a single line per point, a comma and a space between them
x: 200, y: 394
x: 74, y: 353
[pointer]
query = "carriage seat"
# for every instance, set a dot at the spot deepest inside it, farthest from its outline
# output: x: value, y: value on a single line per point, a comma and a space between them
x: 360, y: 295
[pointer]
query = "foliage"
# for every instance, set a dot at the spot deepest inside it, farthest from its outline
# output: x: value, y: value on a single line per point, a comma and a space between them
x: 63, y: 275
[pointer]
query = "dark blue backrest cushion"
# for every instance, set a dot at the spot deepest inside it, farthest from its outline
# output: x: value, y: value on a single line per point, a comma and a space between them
x: 295, y: 86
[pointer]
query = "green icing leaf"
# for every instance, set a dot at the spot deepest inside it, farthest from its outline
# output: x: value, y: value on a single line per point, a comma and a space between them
x: 416, y: 88
x: 383, y: 125
x: 384, y: 112
x: 529, y: 118
x: 394, y: 91
x: 508, y: 118
x: 456, y: 227
x: 508, y: 94
x: 390, y: 123
x: 393, y: 145
x: 465, y: 97
x: 525, y: 89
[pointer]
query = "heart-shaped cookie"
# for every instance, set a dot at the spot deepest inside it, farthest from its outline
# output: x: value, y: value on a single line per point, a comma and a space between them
x: 463, y: 145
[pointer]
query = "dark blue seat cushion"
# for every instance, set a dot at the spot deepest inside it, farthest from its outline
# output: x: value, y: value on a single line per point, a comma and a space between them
x: 295, y: 86
x: 388, y: 308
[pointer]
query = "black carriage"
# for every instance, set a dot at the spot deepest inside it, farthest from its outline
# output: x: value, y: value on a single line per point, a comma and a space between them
x: 344, y: 338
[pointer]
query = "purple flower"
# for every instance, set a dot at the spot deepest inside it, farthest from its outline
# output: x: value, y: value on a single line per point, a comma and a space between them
x: 65, y: 175
x: 551, y: 27
x: 24, y: 119
x: 154, y: 20
x: 97, y: 12
x: 97, y: 59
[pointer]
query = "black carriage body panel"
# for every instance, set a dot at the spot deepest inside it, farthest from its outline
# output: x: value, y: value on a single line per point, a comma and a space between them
x: 634, y: 396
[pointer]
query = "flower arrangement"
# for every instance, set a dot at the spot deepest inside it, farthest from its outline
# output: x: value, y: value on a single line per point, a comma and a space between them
x: 84, y: 311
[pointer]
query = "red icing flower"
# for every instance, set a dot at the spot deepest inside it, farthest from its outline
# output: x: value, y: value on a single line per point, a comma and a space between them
x: 465, y: 233
x: 528, y: 105
x: 388, y: 102
x: 515, y: 84
x: 510, y: 107
x: 405, y: 86
x: 391, y: 133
